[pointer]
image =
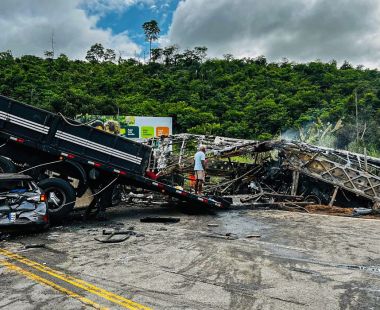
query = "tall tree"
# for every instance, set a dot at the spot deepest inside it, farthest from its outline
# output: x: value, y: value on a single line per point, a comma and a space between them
x: 168, y: 52
x: 49, y: 54
x: 109, y: 55
x: 156, y: 54
x: 151, y: 30
x: 201, y: 52
x: 96, y: 53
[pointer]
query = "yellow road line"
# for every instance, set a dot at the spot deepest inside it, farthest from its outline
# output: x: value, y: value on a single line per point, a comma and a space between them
x: 59, y: 288
x: 126, y: 303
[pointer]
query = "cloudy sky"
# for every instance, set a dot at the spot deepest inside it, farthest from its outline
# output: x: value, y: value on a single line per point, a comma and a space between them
x: 300, y: 30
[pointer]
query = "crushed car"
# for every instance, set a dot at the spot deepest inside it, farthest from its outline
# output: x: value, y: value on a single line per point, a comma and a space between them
x: 22, y: 203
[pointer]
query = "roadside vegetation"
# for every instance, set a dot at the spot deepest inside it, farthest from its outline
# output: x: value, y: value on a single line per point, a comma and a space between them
x: 323, y: 103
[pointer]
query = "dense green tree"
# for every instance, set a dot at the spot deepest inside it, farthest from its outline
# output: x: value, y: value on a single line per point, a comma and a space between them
x: 109, y: 55
x: 168, y: 53
x: 96, y: 53
x: 243, y: 98
x: 156, y: 54
x: 200, y: 52
x: 49, y: 54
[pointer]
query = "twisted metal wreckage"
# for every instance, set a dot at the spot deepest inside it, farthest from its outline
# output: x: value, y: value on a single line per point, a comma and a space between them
x: 283, y: 173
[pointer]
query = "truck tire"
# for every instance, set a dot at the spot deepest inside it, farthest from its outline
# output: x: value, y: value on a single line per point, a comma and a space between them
x: 6, y: 165
x: 61, y: 197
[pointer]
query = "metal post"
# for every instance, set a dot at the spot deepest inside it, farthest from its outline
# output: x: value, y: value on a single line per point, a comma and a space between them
x: 182, y: 151
x: 331, y: 203
x: 296, y: 176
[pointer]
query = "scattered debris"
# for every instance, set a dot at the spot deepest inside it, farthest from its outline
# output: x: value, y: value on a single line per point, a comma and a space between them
x: 283, y: 173
x: 307, y: 271
x: 373, y: 269
x: 331, y: 210
x: 126, y: 233
x: 34, y: 245
x: 362, y: 211
x: 23, y: 205
x: 162, y: 229
x: 212, y: 225
x: 165, y: 220
x: 253, y: 236
x: 227, y: 236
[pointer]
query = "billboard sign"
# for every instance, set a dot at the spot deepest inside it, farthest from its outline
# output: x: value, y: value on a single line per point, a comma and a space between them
x: 135, y: 127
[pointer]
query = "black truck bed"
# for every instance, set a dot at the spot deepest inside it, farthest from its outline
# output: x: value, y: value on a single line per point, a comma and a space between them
x: 53, y: 134
x: 50, y: 131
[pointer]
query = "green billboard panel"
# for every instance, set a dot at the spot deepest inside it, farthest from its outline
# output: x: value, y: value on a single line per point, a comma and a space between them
x: 147, y: 132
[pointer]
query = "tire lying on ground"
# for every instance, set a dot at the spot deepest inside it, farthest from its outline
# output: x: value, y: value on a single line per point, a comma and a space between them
x: 6, y: 165
x: 61, y: 197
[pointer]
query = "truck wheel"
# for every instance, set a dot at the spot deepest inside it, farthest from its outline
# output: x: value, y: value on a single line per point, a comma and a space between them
x: 6, y: 165
x: 61, y: 197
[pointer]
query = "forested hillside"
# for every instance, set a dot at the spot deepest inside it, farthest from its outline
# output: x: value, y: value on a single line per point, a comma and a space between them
x: 245, y: 98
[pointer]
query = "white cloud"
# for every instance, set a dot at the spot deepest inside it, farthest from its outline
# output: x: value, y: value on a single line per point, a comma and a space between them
x: 27, y: 27
x: 301, y: 30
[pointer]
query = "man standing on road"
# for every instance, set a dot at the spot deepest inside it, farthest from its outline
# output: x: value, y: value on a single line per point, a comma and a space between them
x: 199, y: 169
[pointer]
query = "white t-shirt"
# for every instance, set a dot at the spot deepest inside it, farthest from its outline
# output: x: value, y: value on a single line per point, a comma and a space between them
x: 198, y: 157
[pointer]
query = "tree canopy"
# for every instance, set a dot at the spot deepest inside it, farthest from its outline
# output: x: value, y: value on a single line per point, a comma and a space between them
x: 244, y: 98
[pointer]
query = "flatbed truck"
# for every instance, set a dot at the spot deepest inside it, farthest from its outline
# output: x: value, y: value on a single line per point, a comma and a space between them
x: 56, y: 150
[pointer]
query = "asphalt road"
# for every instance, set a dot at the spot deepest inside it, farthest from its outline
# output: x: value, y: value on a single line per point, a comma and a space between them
x: 291, y: 261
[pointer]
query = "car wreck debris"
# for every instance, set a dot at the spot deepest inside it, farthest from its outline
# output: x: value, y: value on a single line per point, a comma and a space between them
x: 110, y: 236
x: 165, y: 220
x: 227, y: 236
x: 22, y: 203
x: 284, y: 173
x: 34, y: 246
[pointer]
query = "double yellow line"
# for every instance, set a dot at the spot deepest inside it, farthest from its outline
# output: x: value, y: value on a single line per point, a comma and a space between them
x: 119, y: 300
x: 59, y: 288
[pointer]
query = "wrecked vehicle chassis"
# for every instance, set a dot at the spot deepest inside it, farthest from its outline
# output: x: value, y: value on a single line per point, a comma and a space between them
x: 274, y: 172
